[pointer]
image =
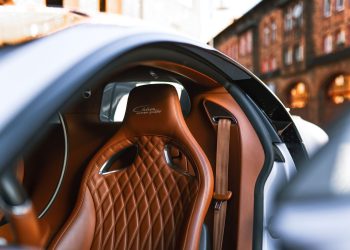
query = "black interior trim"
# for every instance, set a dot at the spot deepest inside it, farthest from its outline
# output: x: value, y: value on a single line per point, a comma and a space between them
x: 216, y: 112
x: 272, y: 132
x: 11, y: 191
x: 278, y: 154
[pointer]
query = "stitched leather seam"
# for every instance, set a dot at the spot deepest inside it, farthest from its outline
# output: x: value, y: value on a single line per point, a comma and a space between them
x: 148, y: 156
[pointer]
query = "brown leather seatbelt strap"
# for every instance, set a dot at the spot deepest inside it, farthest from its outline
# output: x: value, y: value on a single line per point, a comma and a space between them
x: 221, y: 194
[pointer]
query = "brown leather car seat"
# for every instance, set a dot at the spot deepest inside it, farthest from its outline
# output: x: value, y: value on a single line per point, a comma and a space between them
x: 132, y: 196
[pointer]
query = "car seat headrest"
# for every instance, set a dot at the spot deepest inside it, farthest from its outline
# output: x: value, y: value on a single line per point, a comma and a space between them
x: 154, y: 109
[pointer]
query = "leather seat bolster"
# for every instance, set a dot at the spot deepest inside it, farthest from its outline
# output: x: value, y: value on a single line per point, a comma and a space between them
x: 205, y: 192
x: 79, y: 230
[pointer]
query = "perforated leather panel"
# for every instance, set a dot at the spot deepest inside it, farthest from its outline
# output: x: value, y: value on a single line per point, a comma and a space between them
x: 143, y: 206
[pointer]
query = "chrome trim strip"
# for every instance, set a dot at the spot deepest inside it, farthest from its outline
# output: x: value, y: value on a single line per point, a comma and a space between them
x: 64, y: 166
x: 102, y: 169
x: 115, y: 156
x: 109, y: 172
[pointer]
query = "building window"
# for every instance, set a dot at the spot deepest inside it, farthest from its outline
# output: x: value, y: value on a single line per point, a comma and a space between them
x: 249, y: 41
x: 235, y: 51
x: 273, y: 63
x: 339, y: 5
x: 266, y: 35
x: 54, y: 3
x: 231, y: 44
x: 228, y: 50
x: 265, y: 66
x: 298, y: 14
x: 327, y: 8
x: 242, y: 46
x: 339, y: 90
x: 328, y: 44
x: 269, y: 65
x: 298, y: 95
x: 288, y: 20
x: 299, y: 53
x: 288, y: 56
x: 341, y: 38
x: 273, y: 31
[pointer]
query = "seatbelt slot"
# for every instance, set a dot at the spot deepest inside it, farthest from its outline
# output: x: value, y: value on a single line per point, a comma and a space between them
x: 216, y: 113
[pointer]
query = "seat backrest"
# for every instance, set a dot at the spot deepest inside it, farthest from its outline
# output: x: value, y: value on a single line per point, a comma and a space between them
x: 149, y: 187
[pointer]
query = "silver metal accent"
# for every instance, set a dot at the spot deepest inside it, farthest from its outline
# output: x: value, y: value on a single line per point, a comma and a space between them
x: 101, y: 172
x: 170, y: 162
x: 64, y: 167
x: 153, y: 74
x: 218, y: 205
x: 168, y: 159
x: 21, y: 209
x: 9, y: 210
x: 281, y: 173
x: 114, y: 158
x: 87, y: 93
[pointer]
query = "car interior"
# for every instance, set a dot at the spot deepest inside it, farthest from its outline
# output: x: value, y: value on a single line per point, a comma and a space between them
x: 106, y: 173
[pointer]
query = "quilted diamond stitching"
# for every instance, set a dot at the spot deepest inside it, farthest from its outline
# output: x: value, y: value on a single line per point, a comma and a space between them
x: 143, y: 206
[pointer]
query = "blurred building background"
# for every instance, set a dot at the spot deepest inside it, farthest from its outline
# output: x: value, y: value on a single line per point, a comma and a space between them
x: 300, y: 49
x: 199, y: 19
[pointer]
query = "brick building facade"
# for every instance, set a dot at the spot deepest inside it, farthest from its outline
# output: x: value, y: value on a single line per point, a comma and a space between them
x: 300, y: 49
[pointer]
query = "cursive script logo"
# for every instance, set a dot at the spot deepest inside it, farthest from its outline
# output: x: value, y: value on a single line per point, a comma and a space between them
x: 146, y: 110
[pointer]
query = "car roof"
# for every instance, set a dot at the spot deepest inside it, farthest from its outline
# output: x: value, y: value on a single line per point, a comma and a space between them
x: 28, y: 69
x: 36, y: 77
x: 48, y: 69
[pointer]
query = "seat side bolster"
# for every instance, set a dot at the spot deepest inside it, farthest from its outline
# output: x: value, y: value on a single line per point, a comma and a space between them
x: 80, y: 227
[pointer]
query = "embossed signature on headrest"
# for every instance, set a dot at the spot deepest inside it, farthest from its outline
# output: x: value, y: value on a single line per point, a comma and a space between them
x: 146, y: 110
